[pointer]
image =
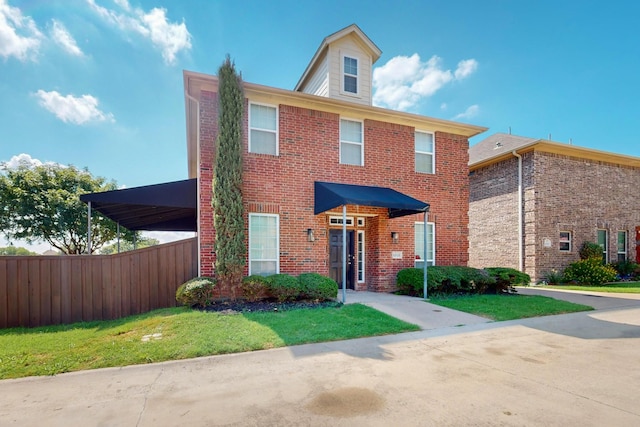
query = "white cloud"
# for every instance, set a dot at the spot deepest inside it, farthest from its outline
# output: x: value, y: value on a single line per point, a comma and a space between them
x: 404, y: 80
x: 76, y: 110
x: 169, y: 38
x: 19, y: 35
x: 22, y: 159
x: 470, y: 112
x: 61, y: 36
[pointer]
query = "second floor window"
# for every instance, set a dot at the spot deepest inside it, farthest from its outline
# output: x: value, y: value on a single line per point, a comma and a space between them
x: 350, y: 74
x: 263, y: 129
x: 351, y: 143
x: 424, y: 152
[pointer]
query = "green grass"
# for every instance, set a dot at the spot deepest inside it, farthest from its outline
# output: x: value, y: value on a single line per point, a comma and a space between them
x: 185, y: 334
x: 615, y: 287
x: 509, y: 307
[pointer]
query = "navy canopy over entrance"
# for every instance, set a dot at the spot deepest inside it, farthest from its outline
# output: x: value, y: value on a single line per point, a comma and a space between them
x: 171, y: 206
x: 330, y: 195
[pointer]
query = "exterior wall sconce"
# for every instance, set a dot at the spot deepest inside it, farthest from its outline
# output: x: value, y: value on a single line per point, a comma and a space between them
x: 310, y: 236
x: 394, y: 237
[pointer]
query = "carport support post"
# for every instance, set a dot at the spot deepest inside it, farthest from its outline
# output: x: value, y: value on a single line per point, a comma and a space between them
x: 344, y: 253
x: 89, y: 228
x: 118, y: 232
x: 426, y: 216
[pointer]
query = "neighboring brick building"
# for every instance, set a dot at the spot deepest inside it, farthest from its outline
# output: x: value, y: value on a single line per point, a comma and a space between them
x: 569, y: 195
x: 328, y: 131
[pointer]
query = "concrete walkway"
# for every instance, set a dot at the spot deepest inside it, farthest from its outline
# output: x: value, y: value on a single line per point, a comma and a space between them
x: 565, y: 370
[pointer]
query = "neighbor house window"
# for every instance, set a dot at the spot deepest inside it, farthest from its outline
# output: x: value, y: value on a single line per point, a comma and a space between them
x: 603, y: 241
x: 351, y: 144
x: 360, y: 255
x: 565, y: 241
x: 263, y: 129
x: 419, y: 244
x: 350, y: 74
x: 622, y: 245
x: 264, y: 244
x: 424, y: 152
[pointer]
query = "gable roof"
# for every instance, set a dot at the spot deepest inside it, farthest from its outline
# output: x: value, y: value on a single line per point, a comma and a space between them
x: 373, y: 50
x: 500, y: 146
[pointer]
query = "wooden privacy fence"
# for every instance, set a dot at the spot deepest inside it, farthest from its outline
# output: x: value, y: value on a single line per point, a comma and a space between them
x: 50, y: 290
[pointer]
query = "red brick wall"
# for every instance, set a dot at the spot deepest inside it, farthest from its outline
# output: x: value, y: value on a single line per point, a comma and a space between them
x: 309, y: 151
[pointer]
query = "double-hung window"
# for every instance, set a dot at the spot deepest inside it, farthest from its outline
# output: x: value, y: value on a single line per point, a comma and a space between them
x: 565, y: 241
x: 350, y: 74
x: 351, y: 143
x: 622, y: 245
x: 603, y: 241
x: 424, y: 152
x: 264, y: 244
x: 263, y: 129
x: 419, y: 244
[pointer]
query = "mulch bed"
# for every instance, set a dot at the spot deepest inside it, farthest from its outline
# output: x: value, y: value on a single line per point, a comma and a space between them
x: 236, y: 307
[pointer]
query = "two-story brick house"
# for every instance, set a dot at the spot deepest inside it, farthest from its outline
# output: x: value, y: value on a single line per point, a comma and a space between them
x: 533, y: 202
x: 311, y: 151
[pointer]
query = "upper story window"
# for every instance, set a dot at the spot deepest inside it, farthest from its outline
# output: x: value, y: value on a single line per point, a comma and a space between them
x: 425, y: 158
x: 351, y: 143
x: 350, y: 74
x: 263, y: 129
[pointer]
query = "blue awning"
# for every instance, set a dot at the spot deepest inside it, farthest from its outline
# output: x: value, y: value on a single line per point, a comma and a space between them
x: 329, y: 195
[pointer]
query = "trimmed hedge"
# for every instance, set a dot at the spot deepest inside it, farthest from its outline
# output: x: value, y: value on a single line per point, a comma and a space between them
x: 284, y: 287
x: 195, y: 292
x: 318, y: 287
x: 444, y: 280
x: 255, y: 288
x: 506, y: 278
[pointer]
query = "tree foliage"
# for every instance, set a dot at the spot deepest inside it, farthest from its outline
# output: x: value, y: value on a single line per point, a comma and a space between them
x: 42, y: 203
x: 125, y: 246
x: 15, y: 250
x: 228, y: 216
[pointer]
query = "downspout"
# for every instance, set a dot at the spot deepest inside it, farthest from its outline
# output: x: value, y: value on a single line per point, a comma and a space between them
x: 186, y: 94
x: 520, y: 229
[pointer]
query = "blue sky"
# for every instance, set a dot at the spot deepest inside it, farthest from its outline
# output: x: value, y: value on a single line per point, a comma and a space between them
x: 98, y: 83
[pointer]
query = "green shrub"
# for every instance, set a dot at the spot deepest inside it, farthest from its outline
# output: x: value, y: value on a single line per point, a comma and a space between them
x: 626, y: 269
x: 554, y: 277
x: 506, y: 279
x: 255, y: 288
x: 589, y: 272
x: 284, y: 287
x: 443, y: 280
x: 318, y: 287
x: 591, y: 250
x: 195, y: 292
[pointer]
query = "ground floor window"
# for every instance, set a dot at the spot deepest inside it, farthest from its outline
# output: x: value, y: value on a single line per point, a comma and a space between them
x: 603, y: 241
x: 565, y: 241
x: 360, y: 255
x: 622, y: 245
x: 264, y: 244
x: 419, y: 244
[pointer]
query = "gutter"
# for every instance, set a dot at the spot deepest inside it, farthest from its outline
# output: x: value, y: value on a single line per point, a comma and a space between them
x: 520, y: 216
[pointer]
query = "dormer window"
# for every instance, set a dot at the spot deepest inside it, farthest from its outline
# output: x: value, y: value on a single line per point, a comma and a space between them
x: 350, y: 74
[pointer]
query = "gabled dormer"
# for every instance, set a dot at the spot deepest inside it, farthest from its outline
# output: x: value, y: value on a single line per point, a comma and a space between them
x: 342, y: 67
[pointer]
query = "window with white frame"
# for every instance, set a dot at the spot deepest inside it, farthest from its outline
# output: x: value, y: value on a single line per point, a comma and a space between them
x: 360, y: 255
x: 425, y: 158
x: 264, y: 244
x: 350, y: 74
x: 565, y: 241
x: 419, y: 244
x: 603, y: 241
x: 622, y: 245
x: 351, y: 143
x: 337, y: 220
x: 263, y: 129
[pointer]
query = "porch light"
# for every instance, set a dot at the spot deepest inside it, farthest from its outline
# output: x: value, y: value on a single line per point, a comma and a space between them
x: 310, y: 236
x: 394, y: 236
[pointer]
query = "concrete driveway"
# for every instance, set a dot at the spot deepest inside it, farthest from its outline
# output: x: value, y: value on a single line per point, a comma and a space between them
x: 574, y: 369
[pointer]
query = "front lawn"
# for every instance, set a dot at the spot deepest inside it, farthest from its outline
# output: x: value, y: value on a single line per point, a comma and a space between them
x: 508, y: 307
x: 615, y: 287
x: 180, y: 333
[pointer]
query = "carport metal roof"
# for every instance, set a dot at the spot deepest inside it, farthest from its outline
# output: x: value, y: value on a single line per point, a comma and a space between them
x: 171, y: 206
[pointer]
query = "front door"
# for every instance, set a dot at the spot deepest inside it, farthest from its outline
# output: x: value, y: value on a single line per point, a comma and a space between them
x: 335, y: 257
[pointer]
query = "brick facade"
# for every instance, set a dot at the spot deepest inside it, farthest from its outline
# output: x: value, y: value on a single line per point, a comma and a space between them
x: 309, y: 152
x: 560, y: 193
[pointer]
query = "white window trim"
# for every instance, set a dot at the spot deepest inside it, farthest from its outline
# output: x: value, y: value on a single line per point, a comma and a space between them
x: 277, y: 131
x: 626, y: 244
x: 570, y: 241
x: 605, y: 249
x: 433, y: 153
x: 337, y: 220
x: 432, y: 242
x: 360, y: 280
x: 277, y: 260
x: 343, y: 74
x: 361, y: 143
